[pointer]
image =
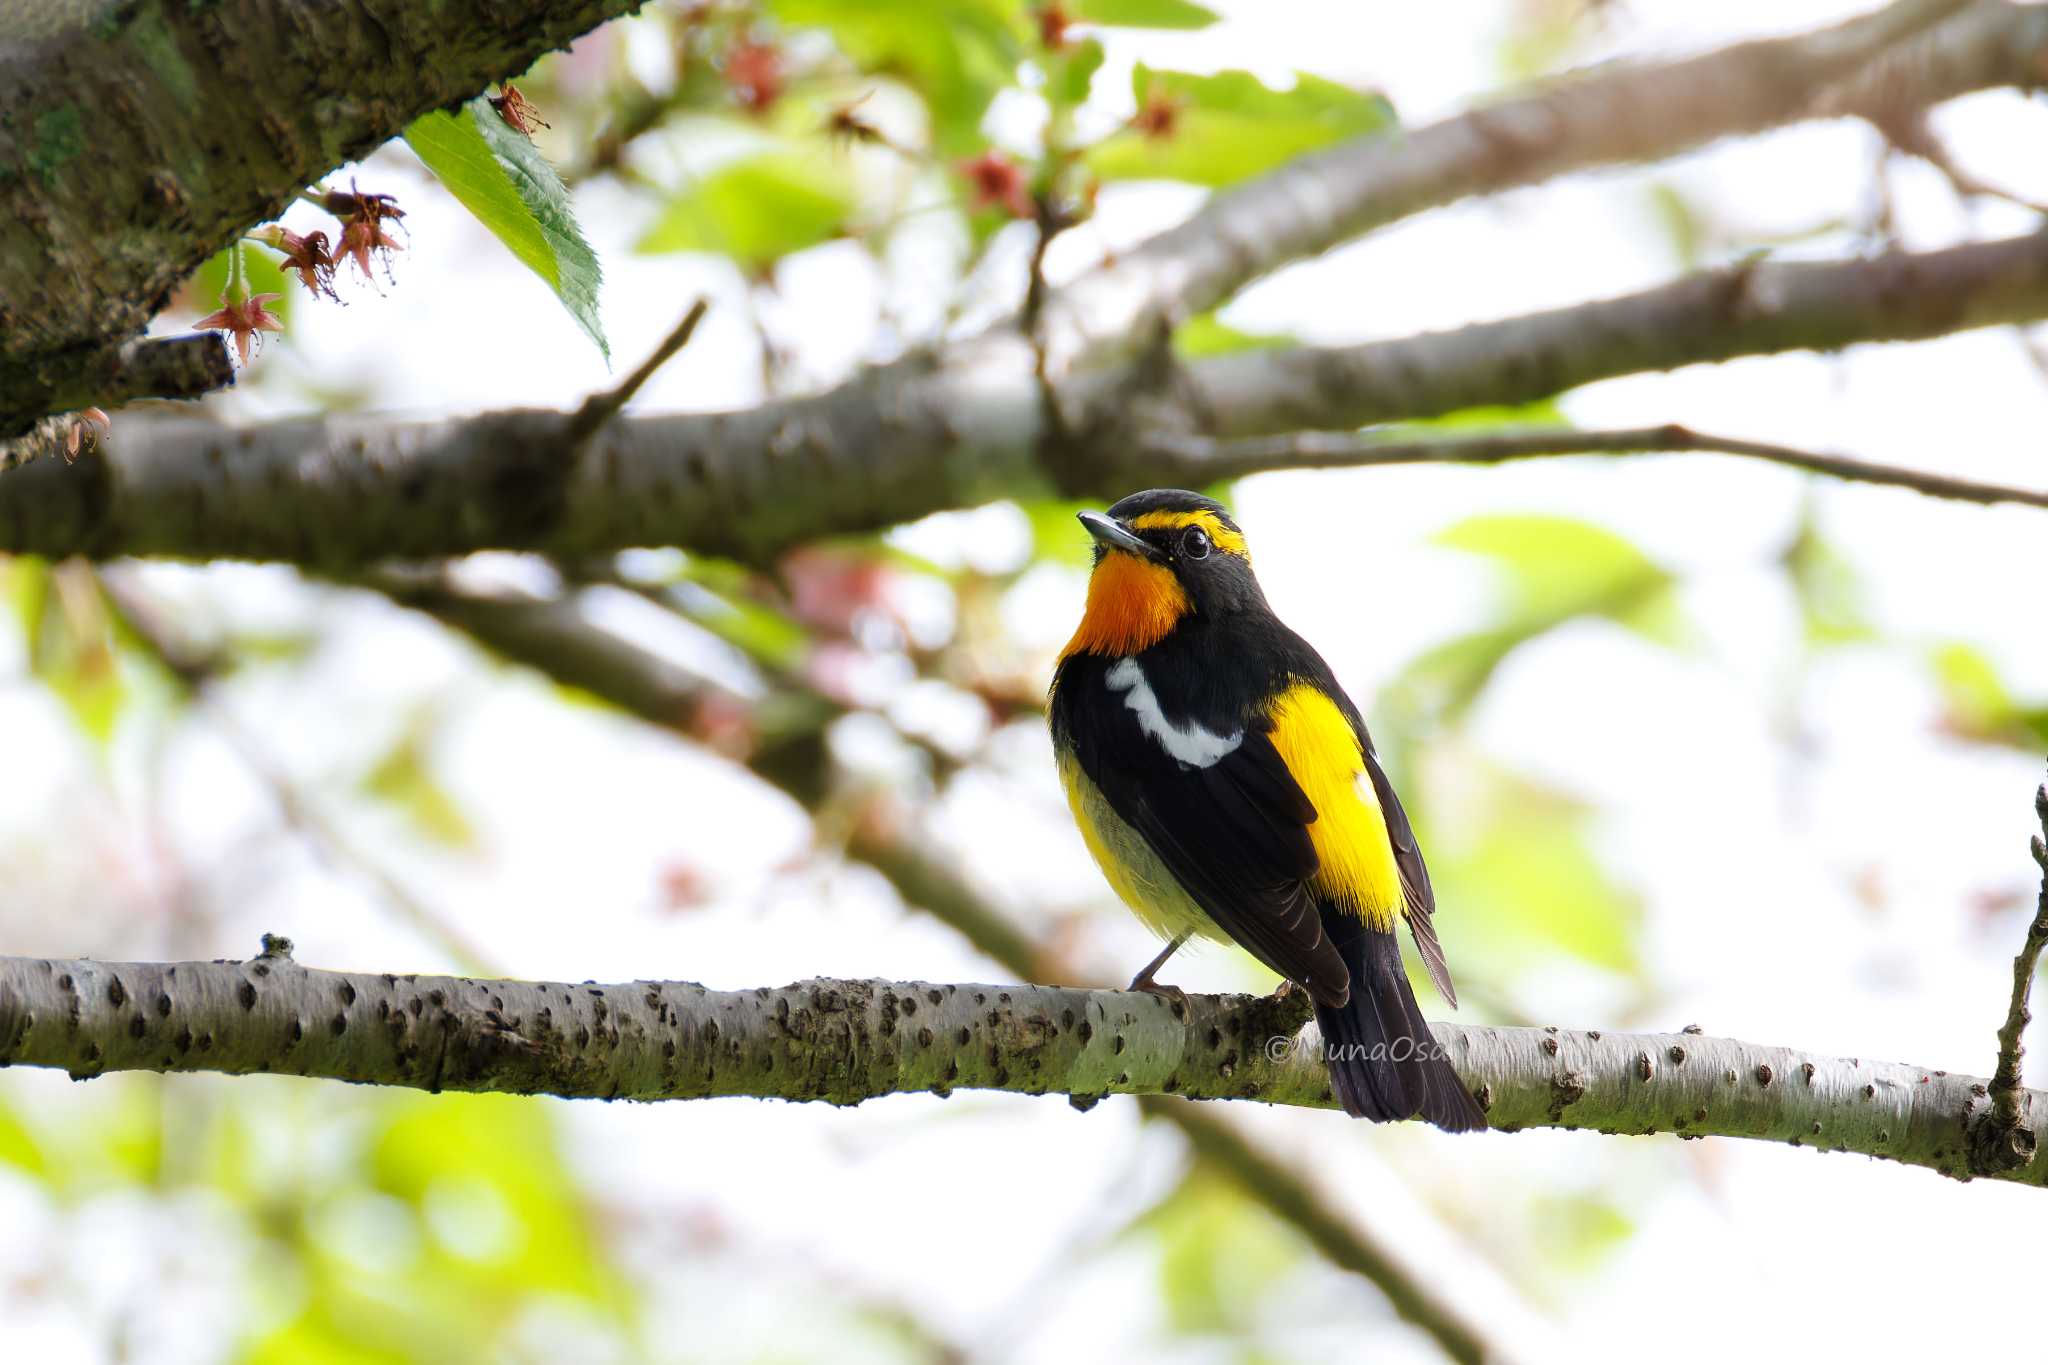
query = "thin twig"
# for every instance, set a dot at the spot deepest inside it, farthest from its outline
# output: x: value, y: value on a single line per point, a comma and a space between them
x: 1199, y: 460
x: 2006, y: 1116
x: 600, y: 408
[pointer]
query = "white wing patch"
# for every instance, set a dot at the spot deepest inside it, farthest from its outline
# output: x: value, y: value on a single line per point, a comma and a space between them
x: 1190, y: 743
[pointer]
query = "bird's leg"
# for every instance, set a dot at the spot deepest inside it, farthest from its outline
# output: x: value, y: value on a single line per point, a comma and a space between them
x: 1143, y: 980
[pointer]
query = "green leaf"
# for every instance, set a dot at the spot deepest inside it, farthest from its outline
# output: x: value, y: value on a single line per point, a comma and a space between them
x: 1519, y: 870
x: 757, y: 209
x: 1202, y: 335
x: 496, y: 172
x: 1143, y: 13
x: 404, y: 778
x: 1831, y: 598
x: 71, y: 643
x: 1229, y: 126
x: 1979, y: 706
x: 19, y: 1147
x: 955, y: 53
x: 1554, y: 568
x: 1071, y: 71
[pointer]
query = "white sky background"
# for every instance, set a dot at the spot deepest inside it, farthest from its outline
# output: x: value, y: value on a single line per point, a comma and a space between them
x: 1746, y: 851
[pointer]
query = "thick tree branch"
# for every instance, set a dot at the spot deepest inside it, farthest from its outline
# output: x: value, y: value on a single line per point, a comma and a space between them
x: 109, y: 375
x: 847, y: 1041
x: 138, y: 138
x: 1198, y: 460
x: 922, y: 435
x: 1756, y: 308
x: 1627, y: 112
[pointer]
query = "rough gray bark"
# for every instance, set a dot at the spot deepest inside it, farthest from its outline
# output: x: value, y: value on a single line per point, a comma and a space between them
x: 139, y: 137
x: 847, y: 1041
x: 923, y: 435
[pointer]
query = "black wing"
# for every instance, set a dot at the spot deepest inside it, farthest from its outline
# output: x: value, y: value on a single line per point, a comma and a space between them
x: 1235, y: 835
x: 1415, y: 888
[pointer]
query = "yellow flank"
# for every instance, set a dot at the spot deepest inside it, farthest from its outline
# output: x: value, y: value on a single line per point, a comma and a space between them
x: 1316, y: 742
x: 1132, y: 604
x: 1132, y: 869
x: 1221, y: 536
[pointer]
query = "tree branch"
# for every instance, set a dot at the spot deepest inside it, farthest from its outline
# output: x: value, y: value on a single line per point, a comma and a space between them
x: 1196, y: 461
x: 2006, y: 1138
x: 847, y: 1041
x: 107, y: 376
x: 921, y: 435
x: 138, y: 139
x: 1755, y: 308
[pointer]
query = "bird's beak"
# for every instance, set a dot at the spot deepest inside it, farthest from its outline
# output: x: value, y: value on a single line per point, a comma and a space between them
x: 1111, y: 535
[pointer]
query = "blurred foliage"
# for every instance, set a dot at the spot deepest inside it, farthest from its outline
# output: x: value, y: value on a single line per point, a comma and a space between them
x: 1220, y: 129
x: 72, y: 641
x: 1221, y: 1257
x: 1549, y: 571
x: 1979, y: 706
x: 758, y: 208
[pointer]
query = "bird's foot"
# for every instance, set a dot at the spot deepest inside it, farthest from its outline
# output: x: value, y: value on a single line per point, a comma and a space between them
x: 1173, y: 995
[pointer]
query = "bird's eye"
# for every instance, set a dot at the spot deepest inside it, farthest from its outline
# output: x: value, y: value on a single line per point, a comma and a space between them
x: 1195, y: 543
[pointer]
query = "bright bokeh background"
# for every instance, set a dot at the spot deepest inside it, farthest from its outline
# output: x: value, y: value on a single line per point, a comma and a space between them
x: 1691, y: 740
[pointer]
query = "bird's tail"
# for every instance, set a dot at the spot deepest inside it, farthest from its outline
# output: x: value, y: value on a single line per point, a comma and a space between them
x: 1384, y: 1062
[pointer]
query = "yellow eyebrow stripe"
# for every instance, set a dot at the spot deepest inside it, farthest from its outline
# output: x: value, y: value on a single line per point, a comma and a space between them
x: 1221, y: 536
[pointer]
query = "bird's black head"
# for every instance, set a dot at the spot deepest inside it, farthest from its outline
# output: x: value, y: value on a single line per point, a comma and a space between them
x: 1160, y: 556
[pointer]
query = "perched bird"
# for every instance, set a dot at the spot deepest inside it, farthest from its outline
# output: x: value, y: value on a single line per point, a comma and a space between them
x: 1228, y: 788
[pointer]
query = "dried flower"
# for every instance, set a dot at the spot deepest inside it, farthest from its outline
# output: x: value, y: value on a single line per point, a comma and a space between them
x: 754, y: 71
x: 242, y: 319
x: 517, y: 110
x: 1052, y: 26
x: 360, y: 238
x: 353, y: 203
x: 1159, y: 116
x: 92, y: 425
x: 998, y: 182
x: 309, y: 255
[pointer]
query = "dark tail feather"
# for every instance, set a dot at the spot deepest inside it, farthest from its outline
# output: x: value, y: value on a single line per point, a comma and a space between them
x: 1384, y: 1061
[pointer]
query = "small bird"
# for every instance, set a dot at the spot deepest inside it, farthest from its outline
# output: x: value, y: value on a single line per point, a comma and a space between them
x: 1228, y: 788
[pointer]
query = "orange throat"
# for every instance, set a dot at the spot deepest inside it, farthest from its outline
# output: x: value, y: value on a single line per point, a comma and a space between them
x: 1132, y: 605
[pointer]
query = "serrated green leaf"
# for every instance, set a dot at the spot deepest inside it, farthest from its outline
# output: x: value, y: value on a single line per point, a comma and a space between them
x: 494, y: 170
x: 1230, y: 126
x: 757, y: 209
x: 1143, y: 13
